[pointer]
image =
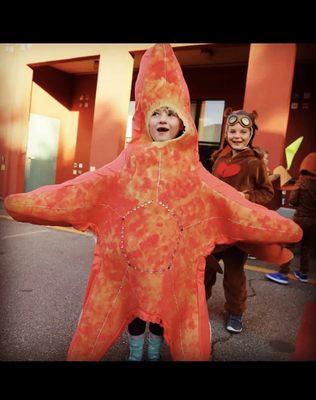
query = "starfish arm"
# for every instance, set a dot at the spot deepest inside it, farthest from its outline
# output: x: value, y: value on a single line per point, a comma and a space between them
x: 65, y: 204
x: 271, y: 253
x: 234, y: 220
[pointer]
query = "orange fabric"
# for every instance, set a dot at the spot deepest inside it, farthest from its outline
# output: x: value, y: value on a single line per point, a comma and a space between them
x: 157, y: 213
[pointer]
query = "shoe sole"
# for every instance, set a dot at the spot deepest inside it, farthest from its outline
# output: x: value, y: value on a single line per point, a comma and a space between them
x: 230, y: 329
x: 277, y: 280
x: 300, y: 279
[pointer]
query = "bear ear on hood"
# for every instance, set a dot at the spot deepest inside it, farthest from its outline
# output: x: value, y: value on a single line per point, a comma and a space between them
x: 228, y: 111
x: 254, y: 114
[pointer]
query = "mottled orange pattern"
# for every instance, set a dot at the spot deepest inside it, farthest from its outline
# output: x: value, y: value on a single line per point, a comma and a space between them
x: 157, y: 213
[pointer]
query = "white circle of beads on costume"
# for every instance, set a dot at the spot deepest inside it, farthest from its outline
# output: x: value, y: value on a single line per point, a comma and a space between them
x: 123, y: 238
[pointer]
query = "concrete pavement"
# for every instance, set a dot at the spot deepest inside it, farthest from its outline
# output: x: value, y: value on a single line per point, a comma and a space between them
x: 43, y: 276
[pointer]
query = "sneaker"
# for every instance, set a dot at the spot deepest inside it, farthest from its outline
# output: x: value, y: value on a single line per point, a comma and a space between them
x: 278, y: 277
x: 154, y: 347
x: 300, y: 276
x: 136, y: 344
x: 234, y: 323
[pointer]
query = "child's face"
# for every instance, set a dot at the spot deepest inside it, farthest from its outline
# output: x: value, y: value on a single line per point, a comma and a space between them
x: 164, y: 124
x: 238, y: 137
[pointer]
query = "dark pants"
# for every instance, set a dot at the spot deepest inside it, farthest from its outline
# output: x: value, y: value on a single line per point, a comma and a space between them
x: 234, y: 282
x: 308, y: 226
x: 138, y: 327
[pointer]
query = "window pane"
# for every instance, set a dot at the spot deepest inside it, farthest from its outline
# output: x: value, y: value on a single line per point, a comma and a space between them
x: 210, y: 121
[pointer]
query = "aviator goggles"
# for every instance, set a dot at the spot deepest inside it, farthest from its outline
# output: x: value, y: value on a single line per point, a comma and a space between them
x: 244, y: 121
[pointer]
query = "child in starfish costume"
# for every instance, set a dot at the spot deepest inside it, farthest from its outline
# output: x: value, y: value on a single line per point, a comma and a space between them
x: 164, y: 124
x: 157, y: 213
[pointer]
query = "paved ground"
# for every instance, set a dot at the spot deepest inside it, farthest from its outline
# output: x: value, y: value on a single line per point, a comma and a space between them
x: 43, y: 274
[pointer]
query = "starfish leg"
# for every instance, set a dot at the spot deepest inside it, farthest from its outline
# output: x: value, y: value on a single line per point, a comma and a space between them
x: 106, y: 312
x: 185, y: 317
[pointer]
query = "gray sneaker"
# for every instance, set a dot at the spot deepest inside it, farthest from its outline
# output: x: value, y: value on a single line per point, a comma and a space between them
x: 234, y: 323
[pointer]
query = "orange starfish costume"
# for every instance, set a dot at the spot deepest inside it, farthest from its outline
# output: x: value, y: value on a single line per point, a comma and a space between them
x: 157, y: 213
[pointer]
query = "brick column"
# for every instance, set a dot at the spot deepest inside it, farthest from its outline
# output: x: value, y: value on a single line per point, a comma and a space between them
x: 111, y: 105
x: 268, y: 91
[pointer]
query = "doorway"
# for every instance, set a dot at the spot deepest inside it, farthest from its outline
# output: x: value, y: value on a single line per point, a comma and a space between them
x: 61, y: 120
x: 42, y: 148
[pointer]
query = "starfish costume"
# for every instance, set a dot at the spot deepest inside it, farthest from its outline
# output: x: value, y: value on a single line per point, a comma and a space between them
x: 157, y: 213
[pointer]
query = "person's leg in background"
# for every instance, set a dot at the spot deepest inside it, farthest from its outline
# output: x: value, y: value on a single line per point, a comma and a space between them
x: 284, y: 270
x: 235, y: 287
x: 308, y: 226
x: 282, y: 275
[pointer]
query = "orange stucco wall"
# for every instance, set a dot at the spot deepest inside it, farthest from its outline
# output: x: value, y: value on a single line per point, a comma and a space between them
x: 268, y: 91
x: 15, y: 105
x: 84, y: 85
x: 16, y: 84
x: 111, y: 110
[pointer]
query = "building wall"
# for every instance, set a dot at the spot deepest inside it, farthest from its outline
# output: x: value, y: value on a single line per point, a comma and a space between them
x: 15, y: 104
x: 217, y: 83
x: 52, y: 96
x: 111, y: 107
x: 56, y: 83
x: 15, y: 94
x: 84, y: 85
x: 268, y: 91
x: 95, y: 135
x: 302, y: 120
x: 213, y: 83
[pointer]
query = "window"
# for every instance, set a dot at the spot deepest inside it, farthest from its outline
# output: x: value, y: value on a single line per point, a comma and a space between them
x: 211, y: 121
